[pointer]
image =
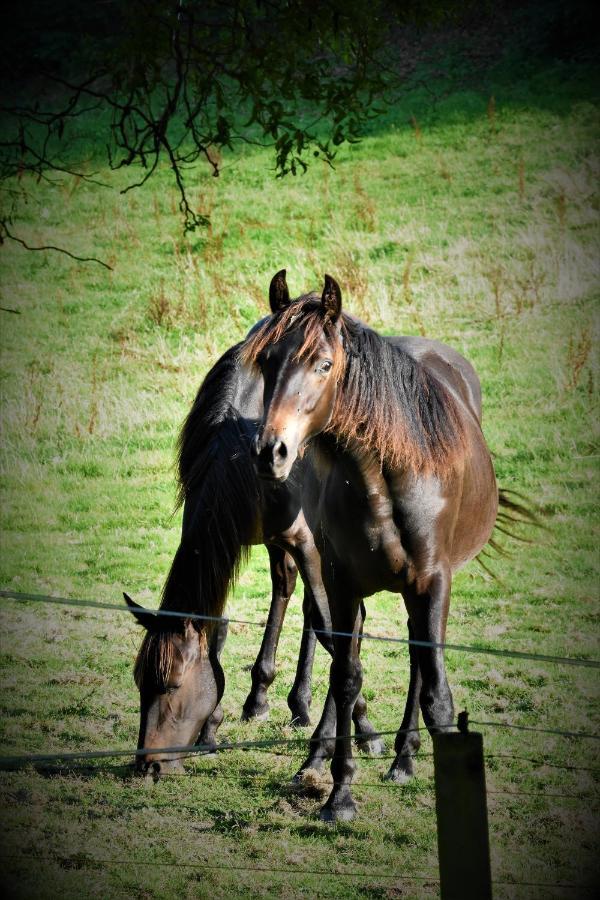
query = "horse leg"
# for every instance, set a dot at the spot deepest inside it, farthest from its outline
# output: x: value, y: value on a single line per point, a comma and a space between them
x: 208, y: 734
x: 428, y: 613
x: 300, y: 696
x: 366, y: 737
x: 345, y: 681
x: 283, y: 578
x: 322, y: 741
x: 407, y: 740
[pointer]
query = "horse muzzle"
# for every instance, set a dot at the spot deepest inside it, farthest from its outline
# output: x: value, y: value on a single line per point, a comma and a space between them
x: 271, y: 457
x: 155, y: 768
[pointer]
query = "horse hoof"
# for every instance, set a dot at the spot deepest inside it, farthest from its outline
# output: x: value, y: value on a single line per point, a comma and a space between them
x: 371, y: 746
x: 300, y: 720
x: 398, y: 776
x: 343, y: 813
x: 260, y: 713
x: 298, y: 778
x: 308, y: 772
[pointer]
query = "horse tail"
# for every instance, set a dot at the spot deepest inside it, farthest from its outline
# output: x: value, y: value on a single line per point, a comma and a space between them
x: 515, y: 517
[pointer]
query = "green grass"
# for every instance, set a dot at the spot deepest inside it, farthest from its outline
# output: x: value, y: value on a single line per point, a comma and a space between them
x: 480, y: 230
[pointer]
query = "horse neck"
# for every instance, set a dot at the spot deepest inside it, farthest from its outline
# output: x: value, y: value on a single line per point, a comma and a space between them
x: 220, y: 516
x: 391, y: 408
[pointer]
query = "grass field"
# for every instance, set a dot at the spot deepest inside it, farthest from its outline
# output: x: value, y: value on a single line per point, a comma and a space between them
x: 473, y: 220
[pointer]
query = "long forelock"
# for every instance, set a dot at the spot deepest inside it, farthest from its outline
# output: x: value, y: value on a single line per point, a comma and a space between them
x: 304, y: 316
x: 155, y: 659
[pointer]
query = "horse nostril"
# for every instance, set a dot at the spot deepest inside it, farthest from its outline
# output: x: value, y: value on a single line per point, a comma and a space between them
x: 280, y: 450
x: 156, y: 771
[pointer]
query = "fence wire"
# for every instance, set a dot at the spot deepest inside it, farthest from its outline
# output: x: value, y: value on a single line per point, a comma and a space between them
x: 365, y: 635
x: 290, y: 870
x: 83, y: 859
x: 186, y: 750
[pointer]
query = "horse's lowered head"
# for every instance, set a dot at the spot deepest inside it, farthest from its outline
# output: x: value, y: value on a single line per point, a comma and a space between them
x: 300, y: 356
x: 180, y: 681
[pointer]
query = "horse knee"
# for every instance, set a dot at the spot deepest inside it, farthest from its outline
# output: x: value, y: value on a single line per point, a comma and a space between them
x: 291, y: 569
x: 346, y: 679
x: 263, y: 673
x: 437, y: 705
x: 360, y: 707
x: 217, y: 716
x: 289, y: 575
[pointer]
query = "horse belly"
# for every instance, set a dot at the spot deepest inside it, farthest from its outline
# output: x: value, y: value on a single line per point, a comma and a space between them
x: 477, y: 511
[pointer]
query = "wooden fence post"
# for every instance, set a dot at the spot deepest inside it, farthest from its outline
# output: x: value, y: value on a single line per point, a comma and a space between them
x: 461, y: 808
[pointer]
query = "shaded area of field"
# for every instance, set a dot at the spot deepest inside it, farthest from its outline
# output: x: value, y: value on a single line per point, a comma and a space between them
x: 476, y: 223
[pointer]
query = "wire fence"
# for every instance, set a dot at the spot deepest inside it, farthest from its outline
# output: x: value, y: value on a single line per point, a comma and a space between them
x: 186, y: 750
x: 258, y: 783
x: 293, y: 870
x: 538, y: 762
x: 20, y: 597
x: 283, y: 746
x: 81, y: 859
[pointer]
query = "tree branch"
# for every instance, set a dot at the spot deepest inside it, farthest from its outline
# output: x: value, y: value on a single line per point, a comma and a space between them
x: 5, y: 233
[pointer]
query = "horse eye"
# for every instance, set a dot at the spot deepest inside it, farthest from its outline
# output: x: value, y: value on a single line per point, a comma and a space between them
x: 324, y: 367
x: 172, y: 688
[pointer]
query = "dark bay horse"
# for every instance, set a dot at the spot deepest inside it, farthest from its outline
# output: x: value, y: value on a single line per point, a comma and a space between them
x: 226, y: 509
x: 398, y: 489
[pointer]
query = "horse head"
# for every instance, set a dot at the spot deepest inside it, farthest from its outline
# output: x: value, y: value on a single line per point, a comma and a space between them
x: 180, y: 682
x: 300, y: 356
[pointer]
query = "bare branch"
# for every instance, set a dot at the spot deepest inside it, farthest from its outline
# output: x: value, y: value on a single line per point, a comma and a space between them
x: 5, y: 233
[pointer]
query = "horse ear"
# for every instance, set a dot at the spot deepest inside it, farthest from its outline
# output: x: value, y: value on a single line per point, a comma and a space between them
x: 331, y: 299
x: 149, y: 620
x: 279, y: 295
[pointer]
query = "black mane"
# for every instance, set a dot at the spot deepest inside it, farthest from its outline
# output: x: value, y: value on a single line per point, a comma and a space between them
x: 392, y: 403
x: 219, y: 490
x: 211, y: 408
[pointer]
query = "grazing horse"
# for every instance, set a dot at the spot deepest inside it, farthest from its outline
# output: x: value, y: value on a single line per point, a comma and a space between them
x: 227, y: 508
x: 399, y: 491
